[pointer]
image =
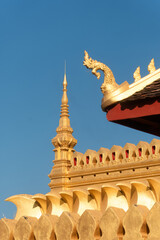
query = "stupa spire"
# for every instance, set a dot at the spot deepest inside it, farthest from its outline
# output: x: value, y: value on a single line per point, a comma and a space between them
x: 63, y: 142
x: 64, y: 101
x: 64, y: 122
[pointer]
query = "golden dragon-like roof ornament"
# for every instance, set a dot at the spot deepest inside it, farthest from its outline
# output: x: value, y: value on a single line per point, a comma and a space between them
x: 109, y: 83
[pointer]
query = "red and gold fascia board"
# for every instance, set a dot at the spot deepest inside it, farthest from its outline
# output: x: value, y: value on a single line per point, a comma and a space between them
x: 116, y: 113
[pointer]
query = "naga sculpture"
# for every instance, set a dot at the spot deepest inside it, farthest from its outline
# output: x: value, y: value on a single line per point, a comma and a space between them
x: 109, y: 83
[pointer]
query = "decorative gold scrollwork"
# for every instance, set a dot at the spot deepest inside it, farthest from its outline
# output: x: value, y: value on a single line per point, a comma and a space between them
x: 109, y: 83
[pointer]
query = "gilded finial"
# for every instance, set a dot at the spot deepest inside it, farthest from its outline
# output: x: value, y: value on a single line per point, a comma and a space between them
x: 137, y: 75
x: 64, y: 131
x: 64, y: 106
x: 151, y: 66
x: 109, y: 83
x: 65, y: 79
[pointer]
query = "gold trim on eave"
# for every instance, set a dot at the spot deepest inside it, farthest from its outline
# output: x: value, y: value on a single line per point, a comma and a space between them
x: 111, y: 90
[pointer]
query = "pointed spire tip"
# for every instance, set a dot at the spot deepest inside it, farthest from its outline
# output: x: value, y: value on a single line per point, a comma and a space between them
x: 65, y: 78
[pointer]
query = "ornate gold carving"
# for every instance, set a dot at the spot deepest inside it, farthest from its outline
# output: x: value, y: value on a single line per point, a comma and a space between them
x: 151, y: 66
x: 64, y: 143
x: 129, y: 153
x: 109, y: 81
x: 137, y: 75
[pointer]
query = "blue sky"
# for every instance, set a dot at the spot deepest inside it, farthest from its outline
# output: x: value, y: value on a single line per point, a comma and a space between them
x: 36, y: 37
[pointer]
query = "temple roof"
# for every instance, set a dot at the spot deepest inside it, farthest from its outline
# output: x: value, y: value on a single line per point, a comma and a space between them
x: 150, y: 91
x: 135, y: 105
x: 140, y: 111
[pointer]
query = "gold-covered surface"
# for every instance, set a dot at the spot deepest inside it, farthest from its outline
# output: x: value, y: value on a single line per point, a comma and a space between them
x: 112, y: 92
x: 125, y: 90
x: 151, y: 66
x: 64, y: 143
x: 109, y: 83
x: 137, y: 75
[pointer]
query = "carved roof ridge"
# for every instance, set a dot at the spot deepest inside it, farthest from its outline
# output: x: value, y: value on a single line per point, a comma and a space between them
x: 114, y: 93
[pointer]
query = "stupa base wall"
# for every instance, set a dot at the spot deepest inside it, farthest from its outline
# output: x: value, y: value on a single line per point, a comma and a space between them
x: 137, y: 223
